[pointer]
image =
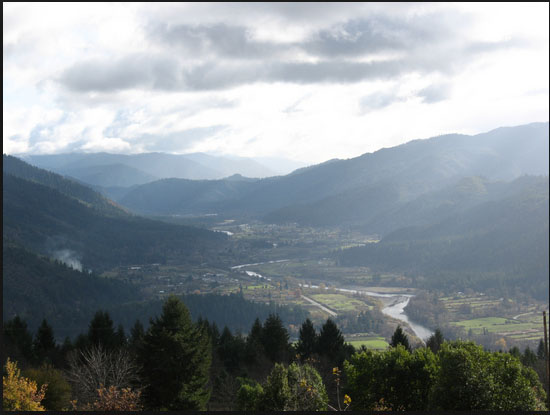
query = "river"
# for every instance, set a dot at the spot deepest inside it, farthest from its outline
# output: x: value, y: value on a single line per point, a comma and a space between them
x: 394, y: 303
x: 397, y: 311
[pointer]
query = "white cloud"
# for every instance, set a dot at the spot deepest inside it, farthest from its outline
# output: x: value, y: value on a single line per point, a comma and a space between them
x: 267, y: 79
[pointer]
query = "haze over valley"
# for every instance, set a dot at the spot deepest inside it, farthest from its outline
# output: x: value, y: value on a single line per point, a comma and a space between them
x: 275, y: 206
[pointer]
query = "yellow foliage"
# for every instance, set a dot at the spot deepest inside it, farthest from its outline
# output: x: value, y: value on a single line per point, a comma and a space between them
x: 347, y: 400
x: 19, y: 393
x: 501, y: 343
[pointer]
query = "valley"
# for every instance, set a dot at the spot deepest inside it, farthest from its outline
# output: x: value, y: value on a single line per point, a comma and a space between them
x: 273, y: 271
x: 354, y: 255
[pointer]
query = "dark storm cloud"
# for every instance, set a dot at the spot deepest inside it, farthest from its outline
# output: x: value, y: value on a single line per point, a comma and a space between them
x: 220, y: 56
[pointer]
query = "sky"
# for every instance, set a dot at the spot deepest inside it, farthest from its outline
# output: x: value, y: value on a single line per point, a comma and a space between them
x: 303, y: 81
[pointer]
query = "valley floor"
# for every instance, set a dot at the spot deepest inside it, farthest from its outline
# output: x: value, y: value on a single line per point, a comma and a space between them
x: 294, y: 266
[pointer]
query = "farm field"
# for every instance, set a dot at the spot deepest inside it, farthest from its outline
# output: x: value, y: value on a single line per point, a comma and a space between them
x: 370, y: 342
x: 341, y: 302
x: 527, y: 329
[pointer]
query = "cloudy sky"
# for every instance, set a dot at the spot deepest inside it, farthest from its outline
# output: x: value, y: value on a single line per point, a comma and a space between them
x: 308, y: 82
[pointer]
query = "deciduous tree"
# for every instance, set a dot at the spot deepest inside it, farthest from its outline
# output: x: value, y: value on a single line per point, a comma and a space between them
x: 18, y: 392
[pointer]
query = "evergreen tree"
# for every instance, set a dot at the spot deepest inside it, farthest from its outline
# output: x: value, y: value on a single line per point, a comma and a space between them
x: 231, y: 350
x: 101, y: 331
x: 120, y: 337
x: 214, y: 333
x: 254, y: 348
x: 331, y: 342
x: 175, y: 358
x: 44, y: 342
x: 435, y: 341
x: 137, y: 333
x: 18, y: 341
x: 307, y: 343
x: 399, y: 337
x: 275, y: 339
x: 529, y: 358
x: 514, y: 351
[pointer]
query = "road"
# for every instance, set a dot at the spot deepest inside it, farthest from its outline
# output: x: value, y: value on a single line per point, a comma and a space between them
x: 321, y: 306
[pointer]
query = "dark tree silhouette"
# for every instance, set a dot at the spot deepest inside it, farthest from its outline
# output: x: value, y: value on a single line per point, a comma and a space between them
x: 175, y: 358
x: 307, y: 343
x: 435, y: 341
x: 275, y: 339
x: 399, y: 337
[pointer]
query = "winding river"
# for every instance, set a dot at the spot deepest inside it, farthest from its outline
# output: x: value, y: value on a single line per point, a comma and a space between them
x: 394, y: 303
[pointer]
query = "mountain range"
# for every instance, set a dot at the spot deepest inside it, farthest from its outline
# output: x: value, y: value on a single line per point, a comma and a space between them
x: 107, y: 170
x: 355, y: 191
x: 451, y: 212
x: 59, y: 235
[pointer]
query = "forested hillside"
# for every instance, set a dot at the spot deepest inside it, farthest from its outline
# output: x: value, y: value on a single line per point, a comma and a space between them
x: 233, y: 311
x: 37, y: 287
x: 499, y: 244
x: 70, y: 188
x: 354, y: 191
x: 46, y: 220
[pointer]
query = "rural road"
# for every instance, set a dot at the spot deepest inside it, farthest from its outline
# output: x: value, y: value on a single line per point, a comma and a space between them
x: 321, y: 306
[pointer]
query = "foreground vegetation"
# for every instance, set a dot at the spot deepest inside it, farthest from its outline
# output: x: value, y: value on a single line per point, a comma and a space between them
x: 106, y: 370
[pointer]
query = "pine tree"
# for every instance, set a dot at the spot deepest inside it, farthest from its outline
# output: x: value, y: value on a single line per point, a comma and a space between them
x: 120, y: 337
x: 101, y: 331
x: 307, y: 343
x: 18, y: 340
x: 275, y: 339
x: 137, y: 333
x: 435, y: 341
x: 399, y: 337
x: 175, y: 358
x: 254, y: 348
x: 331, y: 342
x: 44, y: 342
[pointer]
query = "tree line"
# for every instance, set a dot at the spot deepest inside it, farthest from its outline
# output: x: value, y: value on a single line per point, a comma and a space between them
x: 178, y: 364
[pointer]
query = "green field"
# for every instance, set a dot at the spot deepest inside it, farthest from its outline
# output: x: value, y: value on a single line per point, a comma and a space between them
x: 370, y: 342
x: 340, y: 302
x: 501, y: 325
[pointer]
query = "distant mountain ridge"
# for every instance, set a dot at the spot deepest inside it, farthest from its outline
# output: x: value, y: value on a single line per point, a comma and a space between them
x: 357, y: 190
x: 125, y: 170
x: 70, y: 188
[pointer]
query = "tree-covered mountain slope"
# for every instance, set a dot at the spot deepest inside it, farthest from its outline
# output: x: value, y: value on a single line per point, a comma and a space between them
x: 70, y: 188
x: 36, y: 287
x: 45, y: 221
x: 500, y: 243
x: 346, y: 191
